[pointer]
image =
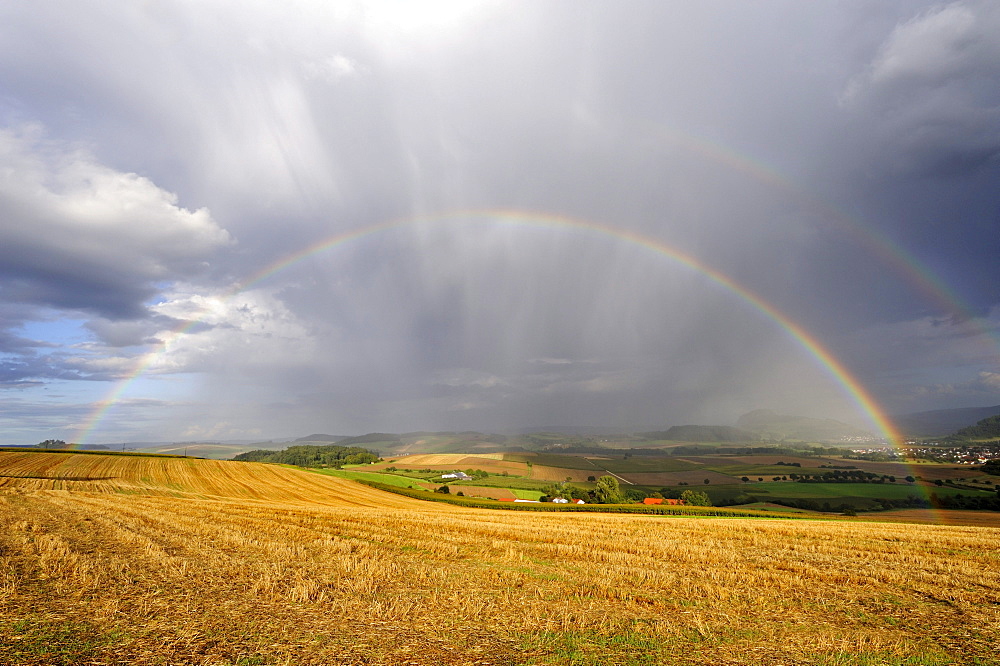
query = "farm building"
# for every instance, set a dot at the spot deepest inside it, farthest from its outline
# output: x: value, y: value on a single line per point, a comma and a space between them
x: 458, y: 476
x: 660, y: 500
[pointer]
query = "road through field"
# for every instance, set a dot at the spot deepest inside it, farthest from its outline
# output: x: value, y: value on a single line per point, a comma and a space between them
x: 620, y: 478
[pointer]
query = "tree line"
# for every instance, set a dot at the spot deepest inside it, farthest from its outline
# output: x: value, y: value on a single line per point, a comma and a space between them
x: 331, y: 455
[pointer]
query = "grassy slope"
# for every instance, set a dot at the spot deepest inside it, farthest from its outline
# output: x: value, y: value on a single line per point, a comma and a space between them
x: 318, y: 570
x: 390, y: 479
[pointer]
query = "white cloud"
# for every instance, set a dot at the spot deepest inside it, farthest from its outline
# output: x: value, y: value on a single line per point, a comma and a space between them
x: 932, y: 48
x: 77, y: 234
x: 250, y: 332
x: 990, y: 380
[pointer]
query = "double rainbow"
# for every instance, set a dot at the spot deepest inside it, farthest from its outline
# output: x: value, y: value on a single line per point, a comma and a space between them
x: 517, y: 218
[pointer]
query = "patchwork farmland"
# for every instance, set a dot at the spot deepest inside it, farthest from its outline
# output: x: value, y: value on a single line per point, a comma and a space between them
x: 144, y: 560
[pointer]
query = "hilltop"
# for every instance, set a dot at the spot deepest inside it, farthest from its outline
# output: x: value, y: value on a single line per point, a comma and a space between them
x: 941, y: 422
x: 986, y: 430
x: 700, y: 433
x: 768, y: 425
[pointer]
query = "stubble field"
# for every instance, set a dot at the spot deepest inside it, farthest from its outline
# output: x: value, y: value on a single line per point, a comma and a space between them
x: 164, y: 561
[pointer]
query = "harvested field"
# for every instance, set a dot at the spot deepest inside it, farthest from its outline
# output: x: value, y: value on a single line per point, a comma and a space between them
x: 444, y: 459
x: 695, y: 477
x: 100, y: 577
x: 182, y: 477
x: 446, y: 462
x: 938, y: 517
x: 484, y: 491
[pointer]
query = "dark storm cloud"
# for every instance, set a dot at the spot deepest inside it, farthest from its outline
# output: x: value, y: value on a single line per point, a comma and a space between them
x: 769, y: 142
x: 933, y: 88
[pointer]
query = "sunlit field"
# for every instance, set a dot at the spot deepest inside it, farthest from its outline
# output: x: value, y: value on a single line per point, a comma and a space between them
x: 137, y: 560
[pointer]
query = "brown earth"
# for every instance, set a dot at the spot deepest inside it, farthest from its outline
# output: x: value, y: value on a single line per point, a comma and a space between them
x: 546, y: 473
x: 484, y: 491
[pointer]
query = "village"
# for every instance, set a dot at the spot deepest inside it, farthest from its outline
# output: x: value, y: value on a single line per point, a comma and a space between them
x: 933, y: 451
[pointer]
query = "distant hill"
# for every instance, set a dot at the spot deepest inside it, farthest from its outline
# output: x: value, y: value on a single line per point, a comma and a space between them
x: 370, y: 438
x: 769, y: 425
x: 987, y: 429
x: 321, y: 438
x: 941, y: 422
x: 701, y: 433
x: 216, y: 450
x: 584, y: 431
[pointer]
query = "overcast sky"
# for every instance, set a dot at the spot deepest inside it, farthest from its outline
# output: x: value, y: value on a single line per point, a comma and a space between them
x: 573, y: 183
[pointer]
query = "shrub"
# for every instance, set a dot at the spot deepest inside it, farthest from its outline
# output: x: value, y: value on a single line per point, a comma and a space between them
x: 696, y: 498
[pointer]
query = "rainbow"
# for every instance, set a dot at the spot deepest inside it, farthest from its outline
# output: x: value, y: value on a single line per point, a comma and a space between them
x: 919, y: 277
x: 853, y: 388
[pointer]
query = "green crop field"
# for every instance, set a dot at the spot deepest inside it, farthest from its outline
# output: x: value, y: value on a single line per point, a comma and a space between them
x: 389, y: 479
x: 510, y: 482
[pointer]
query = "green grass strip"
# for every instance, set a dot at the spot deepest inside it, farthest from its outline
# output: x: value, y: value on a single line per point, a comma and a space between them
x: 656, y: 510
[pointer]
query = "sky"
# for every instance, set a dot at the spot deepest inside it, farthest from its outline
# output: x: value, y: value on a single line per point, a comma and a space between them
x: 227, y: 220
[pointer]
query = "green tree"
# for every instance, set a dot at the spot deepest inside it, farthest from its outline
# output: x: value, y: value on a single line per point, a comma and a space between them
x: 696, y: 498
x: 52, y: 444
x: 608, y: 491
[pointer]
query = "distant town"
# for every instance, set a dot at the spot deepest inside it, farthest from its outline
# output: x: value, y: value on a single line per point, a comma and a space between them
x: 931, y: 451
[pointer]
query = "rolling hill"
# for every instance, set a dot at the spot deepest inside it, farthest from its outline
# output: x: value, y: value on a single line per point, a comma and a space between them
x: 768, y: 425
x: 941, y: 422
x: 189, y: 478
